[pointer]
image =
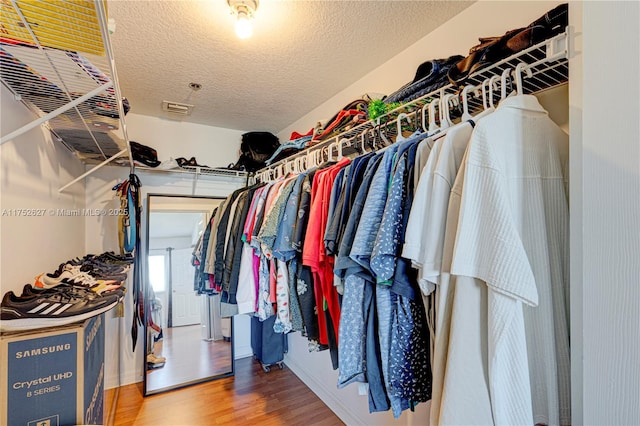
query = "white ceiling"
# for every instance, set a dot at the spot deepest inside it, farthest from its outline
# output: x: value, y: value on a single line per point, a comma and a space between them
x: 301, y: 54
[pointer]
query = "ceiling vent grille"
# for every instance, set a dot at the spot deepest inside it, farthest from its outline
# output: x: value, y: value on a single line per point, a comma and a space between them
x: 177, y: 107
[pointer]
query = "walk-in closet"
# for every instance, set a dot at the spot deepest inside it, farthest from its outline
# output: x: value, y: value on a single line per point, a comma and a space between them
x: 319, y: 213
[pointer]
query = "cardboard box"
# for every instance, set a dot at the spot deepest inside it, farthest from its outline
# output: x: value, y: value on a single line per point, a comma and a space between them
x: 53, y: 377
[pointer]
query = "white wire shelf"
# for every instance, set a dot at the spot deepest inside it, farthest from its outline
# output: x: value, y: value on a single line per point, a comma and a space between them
x: 547, y: 60
x: 199, y: 171
x: 53, y: 52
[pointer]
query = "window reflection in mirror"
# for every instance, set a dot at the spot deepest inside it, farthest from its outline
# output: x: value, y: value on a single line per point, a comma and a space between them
x: 187, y: 341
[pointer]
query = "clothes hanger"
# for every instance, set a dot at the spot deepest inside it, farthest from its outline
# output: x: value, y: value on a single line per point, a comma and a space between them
x: 503, y: 83
x: 386, y: 142
x: 442, y: 105
x: 433, y: 126
x: 302, y: 164
x: 485, y: 101
x: 375, y: 135
x: 518, y: 76
x: 346, y: 142
x: 425, y: 127
x: 363, y: 146
x: 465, y: 102
x: 328, y: 152
x: 445, y: 120
x: 492, y: 82
x: 402, y: 116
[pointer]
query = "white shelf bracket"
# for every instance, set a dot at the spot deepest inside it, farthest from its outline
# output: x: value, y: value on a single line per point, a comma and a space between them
x: 195, y: 181
x: 88, y: 172
x: 559, y: 48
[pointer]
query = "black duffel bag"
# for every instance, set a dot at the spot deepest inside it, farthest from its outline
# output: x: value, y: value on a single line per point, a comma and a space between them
x: 255, y: 149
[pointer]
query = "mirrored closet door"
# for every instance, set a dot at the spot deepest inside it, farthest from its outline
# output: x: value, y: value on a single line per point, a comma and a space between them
x: 187, y: 341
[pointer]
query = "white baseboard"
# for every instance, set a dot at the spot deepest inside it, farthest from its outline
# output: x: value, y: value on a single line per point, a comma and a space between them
x: 126, y: 379
x: 328, y: 396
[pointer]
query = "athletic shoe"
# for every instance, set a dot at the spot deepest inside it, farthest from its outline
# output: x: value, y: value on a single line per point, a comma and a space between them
x: 105, y: 272
x: 51, y: 309
x: 78, y: 291
x: 152, y: 359
x: 114, y: 259
x: 105, y: 288
x: 44, y: 281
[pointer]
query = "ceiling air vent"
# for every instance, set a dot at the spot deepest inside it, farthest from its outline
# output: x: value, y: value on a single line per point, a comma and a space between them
x: 177, y: 107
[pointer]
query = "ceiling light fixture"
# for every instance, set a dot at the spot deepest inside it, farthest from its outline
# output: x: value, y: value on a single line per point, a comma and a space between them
x: 244, y: 11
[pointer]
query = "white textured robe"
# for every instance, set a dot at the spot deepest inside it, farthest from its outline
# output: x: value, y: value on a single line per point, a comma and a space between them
x: 513, y: 235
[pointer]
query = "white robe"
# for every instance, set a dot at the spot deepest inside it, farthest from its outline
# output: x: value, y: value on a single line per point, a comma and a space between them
x: 513, y: 235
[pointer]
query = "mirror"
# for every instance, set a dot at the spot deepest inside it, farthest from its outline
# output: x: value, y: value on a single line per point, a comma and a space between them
x: 187, y: 341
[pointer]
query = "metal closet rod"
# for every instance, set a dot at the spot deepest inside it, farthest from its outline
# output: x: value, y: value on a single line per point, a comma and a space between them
x: 334, y: 142
x: 391, y: 119
x: 555, y: 48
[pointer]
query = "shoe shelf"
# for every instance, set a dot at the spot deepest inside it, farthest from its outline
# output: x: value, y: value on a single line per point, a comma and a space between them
x: 547, y: 61
x: 56, y: 58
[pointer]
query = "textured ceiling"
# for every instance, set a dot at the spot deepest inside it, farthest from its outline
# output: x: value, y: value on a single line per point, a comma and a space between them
x: 301, y: 54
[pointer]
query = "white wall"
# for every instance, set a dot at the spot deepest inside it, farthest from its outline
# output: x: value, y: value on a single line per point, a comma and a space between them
x: 124, y: 366
x: 32, y: 168
x: 455, y: 37
x: 173, y: 242
x: 605, y: 213
x: 212, y: 146
x: 485, y: 18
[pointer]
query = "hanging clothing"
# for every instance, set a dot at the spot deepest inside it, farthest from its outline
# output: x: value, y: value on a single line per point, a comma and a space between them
x: 524, y: 203
x: 345, y: 252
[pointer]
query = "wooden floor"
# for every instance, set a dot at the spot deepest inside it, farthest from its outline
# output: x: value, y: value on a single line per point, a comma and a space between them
x: 189, y: 358
x: 252, y: 397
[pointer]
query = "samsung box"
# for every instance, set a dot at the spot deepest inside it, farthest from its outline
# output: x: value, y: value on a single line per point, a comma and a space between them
x: 53, y: 377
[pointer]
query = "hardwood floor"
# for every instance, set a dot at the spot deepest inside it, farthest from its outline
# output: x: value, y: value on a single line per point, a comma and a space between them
x: 189, y: 358
x: 252, y: 397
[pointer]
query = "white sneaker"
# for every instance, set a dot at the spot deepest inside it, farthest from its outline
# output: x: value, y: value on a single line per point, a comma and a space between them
x: 152, y: 359
x: 168, y: 164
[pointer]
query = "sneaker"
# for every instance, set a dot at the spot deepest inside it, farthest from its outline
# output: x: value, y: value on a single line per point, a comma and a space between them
x: 153, y: 359
x: 45, y: 281
x: 105, y: 288
x: 83, y: 279
x: 50, y: 309
x: 77, y: 291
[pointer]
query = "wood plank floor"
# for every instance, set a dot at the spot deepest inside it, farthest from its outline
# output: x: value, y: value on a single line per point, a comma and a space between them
x: 252, y: 397
x: 189, y: 358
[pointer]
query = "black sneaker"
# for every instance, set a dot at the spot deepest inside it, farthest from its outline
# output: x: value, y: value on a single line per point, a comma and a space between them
x: 50, y: 309
x: 77, y: 291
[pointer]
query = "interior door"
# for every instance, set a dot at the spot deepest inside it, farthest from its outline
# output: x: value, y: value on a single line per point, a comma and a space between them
x: 185, y: 307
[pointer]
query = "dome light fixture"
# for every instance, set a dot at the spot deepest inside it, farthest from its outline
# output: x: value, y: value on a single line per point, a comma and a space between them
x: 244, y: 11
